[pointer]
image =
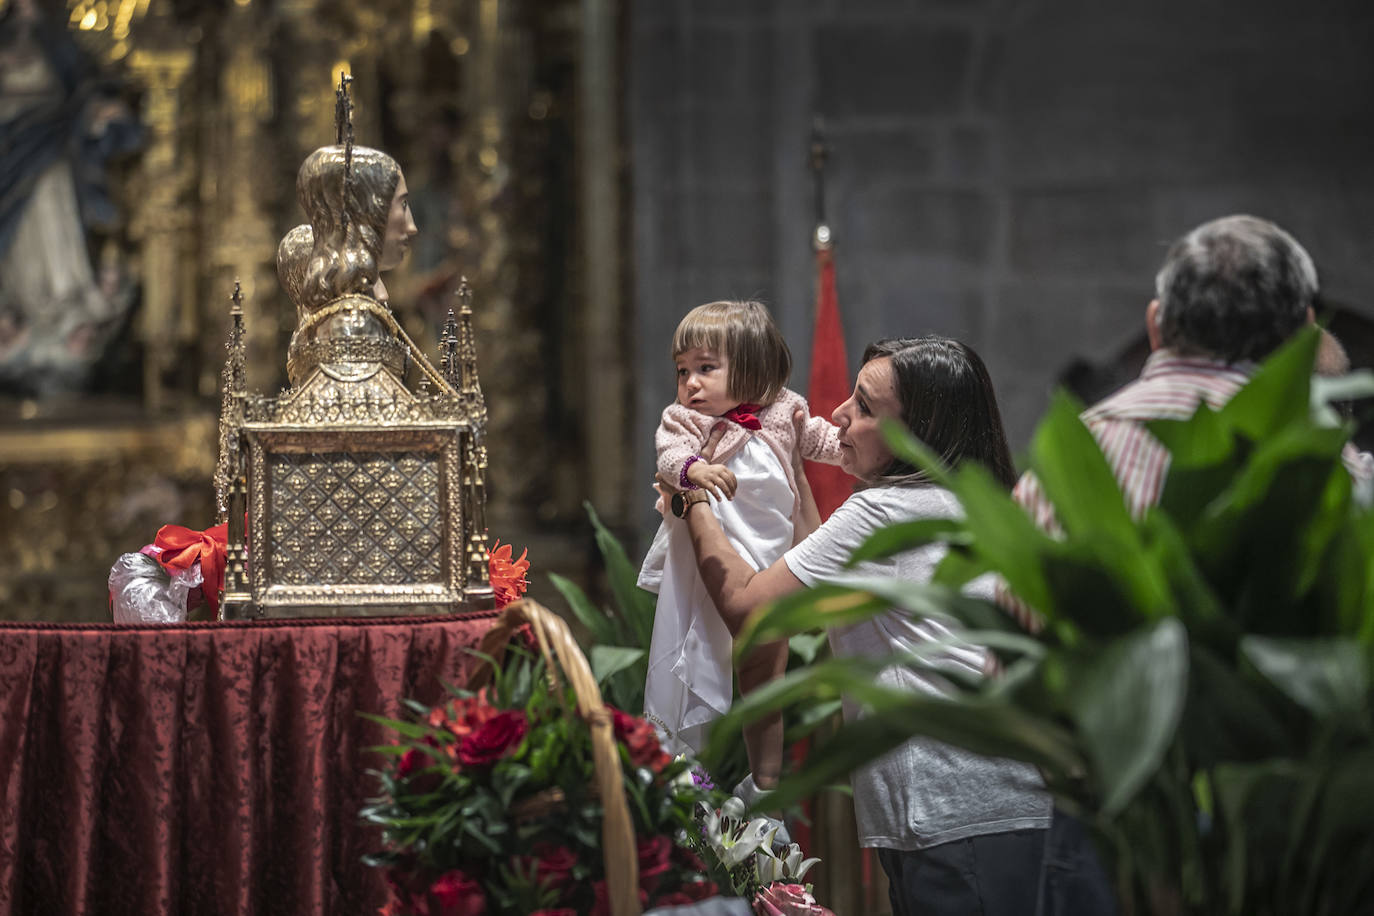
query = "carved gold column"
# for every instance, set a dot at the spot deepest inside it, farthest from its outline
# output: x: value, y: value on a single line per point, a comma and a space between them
x: 242, y: 168
x: 161, y: 224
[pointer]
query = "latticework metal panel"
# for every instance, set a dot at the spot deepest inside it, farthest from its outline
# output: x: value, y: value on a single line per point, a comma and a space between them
x: 359, y: 518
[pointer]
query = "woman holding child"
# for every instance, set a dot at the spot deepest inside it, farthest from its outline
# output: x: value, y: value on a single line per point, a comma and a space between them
x: 955, y: 832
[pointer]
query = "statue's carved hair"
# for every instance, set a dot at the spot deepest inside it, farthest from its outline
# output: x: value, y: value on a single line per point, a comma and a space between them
x: 345, y: 253
x: 293, y: 257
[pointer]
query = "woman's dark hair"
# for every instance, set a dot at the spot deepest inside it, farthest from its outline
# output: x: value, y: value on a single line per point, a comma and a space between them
x: 947, y: 402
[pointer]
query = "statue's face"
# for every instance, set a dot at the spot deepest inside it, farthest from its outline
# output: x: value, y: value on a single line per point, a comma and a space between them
x: 400, y: 228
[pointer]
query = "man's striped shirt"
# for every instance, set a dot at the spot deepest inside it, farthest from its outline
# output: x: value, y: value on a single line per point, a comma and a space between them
x: 1170, y: 387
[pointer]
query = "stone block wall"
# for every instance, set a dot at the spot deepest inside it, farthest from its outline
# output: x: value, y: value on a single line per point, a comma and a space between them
x: 1004, y: 171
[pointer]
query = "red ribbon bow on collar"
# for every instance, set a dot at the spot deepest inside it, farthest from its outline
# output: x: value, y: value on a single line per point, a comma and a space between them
x: 744, y: 415
x: 181, y: 547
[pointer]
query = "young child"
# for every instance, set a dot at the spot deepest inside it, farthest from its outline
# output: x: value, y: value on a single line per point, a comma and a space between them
x: 732, y: 364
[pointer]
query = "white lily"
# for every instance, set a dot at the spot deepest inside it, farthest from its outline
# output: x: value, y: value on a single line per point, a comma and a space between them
x: 730, y: 839
x: 788, y: 866
x: 683, y: 780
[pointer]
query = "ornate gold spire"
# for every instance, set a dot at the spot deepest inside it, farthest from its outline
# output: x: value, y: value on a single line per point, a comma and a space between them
x: 232, y: 389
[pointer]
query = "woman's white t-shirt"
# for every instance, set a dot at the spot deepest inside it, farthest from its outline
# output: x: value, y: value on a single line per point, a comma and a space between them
x: 925, y: 792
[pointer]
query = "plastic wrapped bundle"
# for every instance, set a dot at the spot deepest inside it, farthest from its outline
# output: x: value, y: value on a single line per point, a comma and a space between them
x: 142, y: 592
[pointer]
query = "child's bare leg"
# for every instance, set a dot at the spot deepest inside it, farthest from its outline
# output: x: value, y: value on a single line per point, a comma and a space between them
x: 763, y: 737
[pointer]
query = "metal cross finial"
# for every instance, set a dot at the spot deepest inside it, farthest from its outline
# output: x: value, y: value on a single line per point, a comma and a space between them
x: 343, y: 109
x: 343, y: 126
x: 237, y: 299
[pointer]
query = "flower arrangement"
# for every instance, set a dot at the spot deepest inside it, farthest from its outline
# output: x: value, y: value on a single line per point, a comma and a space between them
x: 489, y: 805
x: 493, y: 802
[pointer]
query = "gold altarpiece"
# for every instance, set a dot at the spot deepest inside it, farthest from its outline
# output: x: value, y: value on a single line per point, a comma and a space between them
x: 480, y: 100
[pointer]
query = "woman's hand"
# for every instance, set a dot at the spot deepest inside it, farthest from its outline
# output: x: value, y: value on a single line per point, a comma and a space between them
x: 809, y: 516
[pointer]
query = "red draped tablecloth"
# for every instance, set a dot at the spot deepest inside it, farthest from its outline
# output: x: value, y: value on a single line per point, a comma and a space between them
x: 204, y: 768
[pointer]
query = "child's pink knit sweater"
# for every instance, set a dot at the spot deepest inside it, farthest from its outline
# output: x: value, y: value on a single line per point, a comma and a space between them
x: 682, y: 432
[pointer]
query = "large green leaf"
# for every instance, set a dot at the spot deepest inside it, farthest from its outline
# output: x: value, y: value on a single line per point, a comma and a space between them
x: 1195, y: 602
x: 1226, y: 717
x: 858, y: 599
x: 607, y: 661
x: 1327, y: 677
x: 908, y: 535
x: 1002, y: 531
x: 807, y: 646
x: 1203, y: 440
x: 635, y: 604
x: 1076, y: 477
x: 1341, y: 836
x: 1349, y: 387
x: 816, y: 608
x: 1278, y: 395
x: 1236, y: 788
x: 960, y: 567
x: 1126, y: 700
x: 597, y: 621
x: 992, y: 729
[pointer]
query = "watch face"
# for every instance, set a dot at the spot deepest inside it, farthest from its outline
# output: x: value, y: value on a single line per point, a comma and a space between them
x: 679, y: 504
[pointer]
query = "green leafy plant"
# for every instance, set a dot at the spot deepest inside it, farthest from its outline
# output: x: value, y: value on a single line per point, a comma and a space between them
x: 1200, y: 690
x: 617, y: 639
x: 489, y: 805
x: 617, y: 647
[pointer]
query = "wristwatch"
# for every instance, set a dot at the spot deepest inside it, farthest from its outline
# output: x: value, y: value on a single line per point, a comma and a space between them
x: 684, y: 499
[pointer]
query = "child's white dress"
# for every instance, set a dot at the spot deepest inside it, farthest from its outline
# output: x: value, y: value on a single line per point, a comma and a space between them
x: 690, y: 681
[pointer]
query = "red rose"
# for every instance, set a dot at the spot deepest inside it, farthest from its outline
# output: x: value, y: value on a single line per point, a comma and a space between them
x: 493, y: 739
x: 455, y: 894
x: 653, y: 861
x: 551, y: 865
x: 461, y: 718
x: 418, y: 768
x: 640, y: 740
x: 410, y: 762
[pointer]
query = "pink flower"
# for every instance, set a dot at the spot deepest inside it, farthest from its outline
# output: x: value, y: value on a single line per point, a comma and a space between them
x: 780, y: 899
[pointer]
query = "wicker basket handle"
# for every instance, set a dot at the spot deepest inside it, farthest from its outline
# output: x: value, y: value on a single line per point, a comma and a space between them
x: 556, y: 642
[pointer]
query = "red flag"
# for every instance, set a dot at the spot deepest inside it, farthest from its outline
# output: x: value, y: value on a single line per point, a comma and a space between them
x: 828, y: 386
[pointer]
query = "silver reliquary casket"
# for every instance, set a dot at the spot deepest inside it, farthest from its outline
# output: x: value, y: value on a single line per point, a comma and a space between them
x: 353, y: 493
x: 360, y: 496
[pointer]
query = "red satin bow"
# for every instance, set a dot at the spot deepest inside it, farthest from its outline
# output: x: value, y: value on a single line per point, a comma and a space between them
x: 744, y: 415
x: 182, y: 547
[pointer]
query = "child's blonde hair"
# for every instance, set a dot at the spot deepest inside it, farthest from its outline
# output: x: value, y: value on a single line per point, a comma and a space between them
x: 744, y: 332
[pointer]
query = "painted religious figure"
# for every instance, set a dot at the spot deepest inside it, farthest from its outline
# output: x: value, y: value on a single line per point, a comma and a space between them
x: 59, y: 126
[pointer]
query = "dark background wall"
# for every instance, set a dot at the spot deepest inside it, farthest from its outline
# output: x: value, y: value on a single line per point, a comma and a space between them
x: 1008, y: 173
